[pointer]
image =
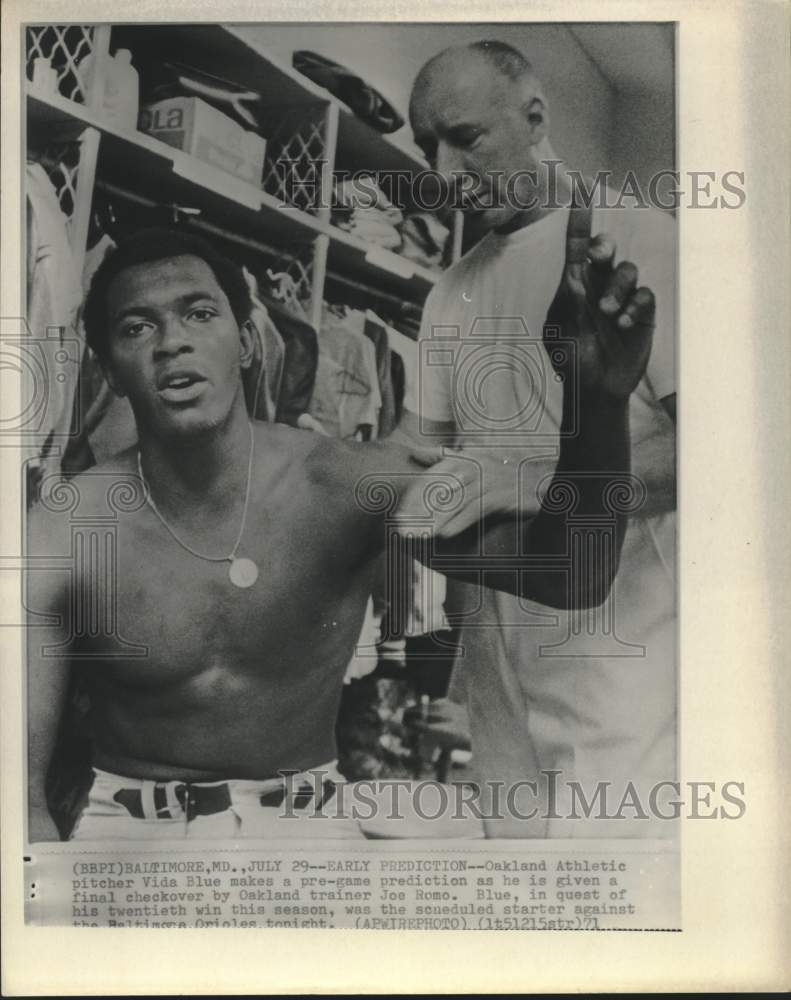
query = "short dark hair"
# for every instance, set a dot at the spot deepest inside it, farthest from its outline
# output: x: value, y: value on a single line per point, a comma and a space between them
x: 150, y: 245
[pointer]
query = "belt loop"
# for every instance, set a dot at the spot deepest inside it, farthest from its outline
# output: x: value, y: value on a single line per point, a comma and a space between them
x: 147, y: 800
x: 174, y: 805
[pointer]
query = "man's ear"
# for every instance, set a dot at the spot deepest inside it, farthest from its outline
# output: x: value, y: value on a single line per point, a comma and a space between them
x: 110, y: 378
x: 247, y: 334
x: 536, y: 114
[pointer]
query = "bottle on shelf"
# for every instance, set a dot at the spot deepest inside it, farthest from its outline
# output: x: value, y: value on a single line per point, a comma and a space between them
x: 44, y: 75
x: 121, y: 96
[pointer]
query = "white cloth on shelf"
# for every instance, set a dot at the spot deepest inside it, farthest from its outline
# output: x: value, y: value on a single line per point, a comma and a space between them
x: 363, y: 209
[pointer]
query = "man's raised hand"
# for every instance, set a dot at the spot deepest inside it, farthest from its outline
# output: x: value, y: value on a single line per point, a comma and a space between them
x: 601, y: 308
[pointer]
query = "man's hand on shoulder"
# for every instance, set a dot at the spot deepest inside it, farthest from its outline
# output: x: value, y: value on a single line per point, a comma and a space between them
x: 393, y: 477
x: 468, y: 486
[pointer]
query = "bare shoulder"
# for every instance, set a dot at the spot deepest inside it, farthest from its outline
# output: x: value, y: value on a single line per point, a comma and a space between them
x: 283, y: 451
x: 101, y: 492
x: 348, y: 460
x: 372, y: 475
x: 376, y: 474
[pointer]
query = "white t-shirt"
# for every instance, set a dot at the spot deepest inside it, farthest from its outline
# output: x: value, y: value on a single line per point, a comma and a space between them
x: 590, y: 693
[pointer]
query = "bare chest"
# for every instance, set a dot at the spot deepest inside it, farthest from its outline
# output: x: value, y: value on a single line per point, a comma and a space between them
x: 165, y: 612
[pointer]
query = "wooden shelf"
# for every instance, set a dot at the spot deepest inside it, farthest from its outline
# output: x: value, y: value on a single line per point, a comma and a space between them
x: 149, y: 168
x: 390, y: 271
x: 222, y: 51
x: 48, y: 111
x: 279, y: 84
x: 359, y: 145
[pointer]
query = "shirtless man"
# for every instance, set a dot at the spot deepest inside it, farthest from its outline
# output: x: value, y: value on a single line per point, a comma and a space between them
x: 244, y: 569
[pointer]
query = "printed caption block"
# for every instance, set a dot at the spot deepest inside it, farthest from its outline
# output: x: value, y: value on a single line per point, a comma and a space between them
x: 557, y: 886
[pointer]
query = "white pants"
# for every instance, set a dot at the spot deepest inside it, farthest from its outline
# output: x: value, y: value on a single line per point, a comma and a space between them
x: 158, y: 813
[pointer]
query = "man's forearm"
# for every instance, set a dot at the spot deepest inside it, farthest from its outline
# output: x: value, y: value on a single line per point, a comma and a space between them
x: 582, y: 520
x: 567, y: 554
x: 595, y: 452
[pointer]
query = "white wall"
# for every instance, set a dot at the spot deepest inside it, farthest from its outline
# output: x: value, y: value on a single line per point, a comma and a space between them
x: 644, y: 139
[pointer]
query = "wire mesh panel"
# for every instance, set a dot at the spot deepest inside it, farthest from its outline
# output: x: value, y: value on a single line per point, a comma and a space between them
x: 68, y: 61
x: 295, y: 156
x: 65, y: 47
x: 62, y: 162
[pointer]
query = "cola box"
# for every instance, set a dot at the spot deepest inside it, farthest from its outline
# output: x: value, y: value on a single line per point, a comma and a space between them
x: 197, y: 128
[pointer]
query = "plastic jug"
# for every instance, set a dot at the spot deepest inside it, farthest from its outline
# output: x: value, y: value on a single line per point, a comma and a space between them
x: 44, y: 76
x: 121, y: 90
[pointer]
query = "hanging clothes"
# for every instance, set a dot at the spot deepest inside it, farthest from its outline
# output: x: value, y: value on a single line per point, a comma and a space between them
x: 263, y: 377
x: 407, y: 349
x: 398, y: 380
x: 93, y: 396
x: 300, y: 362
x: 376, y: 331
x: 54, y: 295
x: 346, y: 397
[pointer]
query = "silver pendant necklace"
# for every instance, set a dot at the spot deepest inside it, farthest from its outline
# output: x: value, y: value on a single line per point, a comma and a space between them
x: 242, y: 572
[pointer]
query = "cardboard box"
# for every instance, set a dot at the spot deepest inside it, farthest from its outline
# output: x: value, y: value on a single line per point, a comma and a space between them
x: 197, y: 128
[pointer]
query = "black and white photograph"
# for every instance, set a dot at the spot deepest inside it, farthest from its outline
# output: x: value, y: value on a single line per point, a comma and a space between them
x: 355, y: 415
x: 346, y: 449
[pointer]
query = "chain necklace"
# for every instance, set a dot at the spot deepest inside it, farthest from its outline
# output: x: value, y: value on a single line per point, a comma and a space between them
x: 242, y: 572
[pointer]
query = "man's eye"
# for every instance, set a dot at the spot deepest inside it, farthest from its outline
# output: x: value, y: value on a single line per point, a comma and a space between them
x: 468, y: 139
x: 136, y: 329
x: 202, y: 315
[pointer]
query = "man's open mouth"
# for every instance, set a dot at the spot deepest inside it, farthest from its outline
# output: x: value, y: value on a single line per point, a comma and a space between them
x: 180, y: 387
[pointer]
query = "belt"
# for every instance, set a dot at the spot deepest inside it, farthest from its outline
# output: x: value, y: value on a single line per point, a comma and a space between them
x: 206, y: 800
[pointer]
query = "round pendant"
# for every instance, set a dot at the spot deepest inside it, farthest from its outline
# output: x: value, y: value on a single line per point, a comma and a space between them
x: 243, y: 573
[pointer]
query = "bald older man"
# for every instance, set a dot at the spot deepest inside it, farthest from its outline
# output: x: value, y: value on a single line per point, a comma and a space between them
x: 578, y: 705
